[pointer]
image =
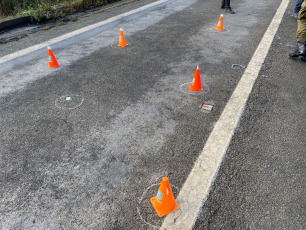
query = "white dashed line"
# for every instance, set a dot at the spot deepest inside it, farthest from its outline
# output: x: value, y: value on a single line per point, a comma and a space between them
x: 196, y: 188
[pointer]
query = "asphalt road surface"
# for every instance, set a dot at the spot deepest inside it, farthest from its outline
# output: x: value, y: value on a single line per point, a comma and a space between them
x: 85, y: 145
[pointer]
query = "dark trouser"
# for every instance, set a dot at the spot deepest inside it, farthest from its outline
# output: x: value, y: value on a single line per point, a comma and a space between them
x: 298, y: 6
x: 301, y: 30
x: 226, y: 4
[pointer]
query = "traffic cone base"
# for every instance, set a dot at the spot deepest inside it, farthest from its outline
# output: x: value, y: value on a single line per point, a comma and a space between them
x: 155, y: 204
x: 164, y: 202
x: 54, y: 66
x: 195, y: 88
x: 196, y: 83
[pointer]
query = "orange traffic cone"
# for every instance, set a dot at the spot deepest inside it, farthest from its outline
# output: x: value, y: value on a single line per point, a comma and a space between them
x: 164, y: 203
x: 52, y: 60
x: 196, y: 83
x: 122, y: 42
x: 220, y: 23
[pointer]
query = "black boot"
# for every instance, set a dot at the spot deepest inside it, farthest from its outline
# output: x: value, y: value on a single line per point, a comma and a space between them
x: 300, y: 50
x: 228, y: 8
x: 223, y: 4
x: 303, y: 50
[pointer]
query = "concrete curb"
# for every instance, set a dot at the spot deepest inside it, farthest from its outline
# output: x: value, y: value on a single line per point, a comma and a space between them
x: 13, y: 22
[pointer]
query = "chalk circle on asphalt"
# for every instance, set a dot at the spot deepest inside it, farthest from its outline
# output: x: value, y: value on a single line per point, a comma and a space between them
x: 186, y: 89
x: 148, y: 214
x: 69, y: 101
x: 46, y: 68
x: 219, y: 31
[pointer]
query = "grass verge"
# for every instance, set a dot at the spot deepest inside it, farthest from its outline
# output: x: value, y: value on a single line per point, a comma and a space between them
x: 16, y: 38
x: 43, y: 10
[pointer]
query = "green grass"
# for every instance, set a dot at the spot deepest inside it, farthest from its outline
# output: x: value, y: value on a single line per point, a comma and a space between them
x: 60, y: 23
x: 42, y: 10
x: 16, y: 38
x: 48, y: 27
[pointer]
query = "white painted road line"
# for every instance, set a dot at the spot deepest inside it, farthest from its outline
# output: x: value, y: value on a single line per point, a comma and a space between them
x: 31, y: 49
x: 196, y: 188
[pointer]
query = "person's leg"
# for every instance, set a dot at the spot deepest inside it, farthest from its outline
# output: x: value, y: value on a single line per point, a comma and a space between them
x: 301, y: 34
x: 301, y: 30
x: 297, y: 8
x: 228, y: 8
x: 223, y: 4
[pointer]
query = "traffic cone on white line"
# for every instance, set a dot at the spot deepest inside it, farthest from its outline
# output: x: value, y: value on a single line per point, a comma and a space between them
x: 164, y: 202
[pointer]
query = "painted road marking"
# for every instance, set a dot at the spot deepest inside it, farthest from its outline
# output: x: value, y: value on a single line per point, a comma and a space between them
x: 31, y: 49
x: 196, y: 188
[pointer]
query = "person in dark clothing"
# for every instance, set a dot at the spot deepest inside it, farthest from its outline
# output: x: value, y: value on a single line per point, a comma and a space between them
x: 226, y: 5
x: 300, y: 50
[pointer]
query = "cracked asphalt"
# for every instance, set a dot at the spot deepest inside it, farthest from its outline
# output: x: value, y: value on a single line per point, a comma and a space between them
x: 96, y: 164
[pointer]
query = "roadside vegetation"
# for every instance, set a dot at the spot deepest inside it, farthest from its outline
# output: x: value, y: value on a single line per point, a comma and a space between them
x: 42, y: 10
